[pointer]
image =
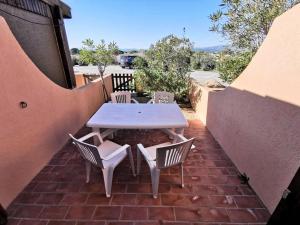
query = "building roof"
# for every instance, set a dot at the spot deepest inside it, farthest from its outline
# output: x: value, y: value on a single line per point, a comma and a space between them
x: 66, y: 10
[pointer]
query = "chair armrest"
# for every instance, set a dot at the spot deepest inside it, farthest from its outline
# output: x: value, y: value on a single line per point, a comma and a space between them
x: 145, y: 152
x: 180, y: 138
x: 82, y: 139
x: 151, y: 101
x: 134, y: 101
x: 115, y: 153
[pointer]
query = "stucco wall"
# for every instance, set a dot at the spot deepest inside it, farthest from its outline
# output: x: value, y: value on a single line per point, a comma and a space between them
x: 38, y: 41
x: 80, y: 81
x: 198, y: 95
x: 257, y: 119
x: 29, y: 137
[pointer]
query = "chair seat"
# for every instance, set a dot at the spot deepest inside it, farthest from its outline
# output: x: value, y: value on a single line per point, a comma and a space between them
x: 152, y: 149
x: 107, y: 148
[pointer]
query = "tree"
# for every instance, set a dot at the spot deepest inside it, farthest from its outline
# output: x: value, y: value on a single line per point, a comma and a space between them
x: 75, y: 60
x: 74, y: 51
x: 167, y: 67
x: 196, y: 60
x: 245, y: 23
x: 231, y: 66
x: 140, y: 63
x: 101, y: 55
x: 208, y: 62
x: 203, y: 61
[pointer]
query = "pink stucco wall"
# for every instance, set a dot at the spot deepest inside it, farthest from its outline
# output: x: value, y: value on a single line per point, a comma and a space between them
x: 198, y: 95
x: 29, y: 137
x: 257, y: 119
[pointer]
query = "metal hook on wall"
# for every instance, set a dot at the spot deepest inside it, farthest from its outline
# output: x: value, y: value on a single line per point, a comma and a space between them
x: 23, y: 104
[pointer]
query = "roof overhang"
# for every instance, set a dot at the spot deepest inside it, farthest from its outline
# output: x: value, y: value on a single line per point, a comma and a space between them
x: 65, y: 9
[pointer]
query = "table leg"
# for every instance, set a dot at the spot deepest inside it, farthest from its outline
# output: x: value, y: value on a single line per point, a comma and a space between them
x: 179, y: 131
x: 95, y: 138
x: 169, y: 132
x: 108, y: 132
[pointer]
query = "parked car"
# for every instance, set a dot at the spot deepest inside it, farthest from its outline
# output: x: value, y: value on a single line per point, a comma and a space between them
x: 127, y: 61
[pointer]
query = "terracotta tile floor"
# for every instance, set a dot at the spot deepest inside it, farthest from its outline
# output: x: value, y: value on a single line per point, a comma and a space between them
x: 213, y: 194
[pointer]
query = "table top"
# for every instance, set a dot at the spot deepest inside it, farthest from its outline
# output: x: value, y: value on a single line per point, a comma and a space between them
x: 138, y: 116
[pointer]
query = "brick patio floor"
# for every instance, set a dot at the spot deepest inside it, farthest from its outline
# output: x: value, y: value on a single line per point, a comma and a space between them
x: 213, y: 194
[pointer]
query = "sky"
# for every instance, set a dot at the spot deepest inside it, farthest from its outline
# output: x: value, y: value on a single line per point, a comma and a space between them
x: 136, y: 24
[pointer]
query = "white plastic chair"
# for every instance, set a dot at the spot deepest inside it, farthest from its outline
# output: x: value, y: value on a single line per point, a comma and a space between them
x: 163, y: 156
x: 106, y: 156
x: 162, y: 97
x: 122, y: 97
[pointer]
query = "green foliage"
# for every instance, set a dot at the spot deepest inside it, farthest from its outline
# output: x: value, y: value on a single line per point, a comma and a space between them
x: 101, y: 54
x: 203, y: 61
x: 140, y: 62
x: 140, y: 79
x: 196, y: 60
x: 75, y: 60
x: 231, y: 66
x: 168, y: 64
x: 208, y: 63
x: 247, y: 22
x: 74, y: 51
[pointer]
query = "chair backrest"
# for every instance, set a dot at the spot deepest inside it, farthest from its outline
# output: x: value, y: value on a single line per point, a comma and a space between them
x: 88, y: 152
x: 121, y: 97
x: 173, y: 154
x: 163, y: 97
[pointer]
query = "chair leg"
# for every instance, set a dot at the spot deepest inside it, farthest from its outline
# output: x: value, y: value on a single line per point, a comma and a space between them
x: 138, y: 166
x: 182, y: 183
x: 155, y: 173
x: 129, y: 152
x: 108, y: 177
x: 88, y: 171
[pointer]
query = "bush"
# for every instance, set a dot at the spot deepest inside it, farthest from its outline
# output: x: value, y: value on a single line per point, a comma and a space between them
x: 208, y: 63
x: 167, y: 66
x: 231, y: 66
x: 196, y: 61
x: 140, y: 62
x: 140, y: 80
x: 203, y: 61
x: 75, y: 60
x: 74, y: 51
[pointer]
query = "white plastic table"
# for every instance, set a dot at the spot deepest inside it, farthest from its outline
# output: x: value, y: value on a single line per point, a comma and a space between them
x: 167, y: 117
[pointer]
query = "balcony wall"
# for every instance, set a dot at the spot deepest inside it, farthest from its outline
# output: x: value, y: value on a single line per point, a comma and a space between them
x: 256, y: 120
x: 30, y: 136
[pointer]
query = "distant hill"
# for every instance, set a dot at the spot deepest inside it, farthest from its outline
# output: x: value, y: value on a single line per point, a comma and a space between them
x: 212, y: 49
